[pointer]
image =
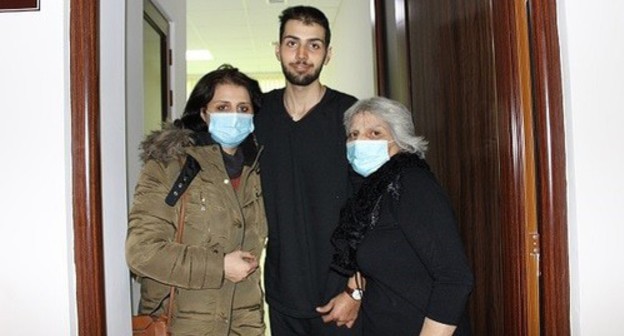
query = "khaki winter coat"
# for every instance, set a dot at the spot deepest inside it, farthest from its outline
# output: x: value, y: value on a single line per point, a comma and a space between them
x: 219, y: 220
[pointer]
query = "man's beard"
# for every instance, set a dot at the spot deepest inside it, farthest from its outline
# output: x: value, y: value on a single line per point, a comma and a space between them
x: 301, y: 80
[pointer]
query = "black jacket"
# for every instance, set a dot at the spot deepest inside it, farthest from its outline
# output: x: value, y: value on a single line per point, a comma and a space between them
x: 401, y: 234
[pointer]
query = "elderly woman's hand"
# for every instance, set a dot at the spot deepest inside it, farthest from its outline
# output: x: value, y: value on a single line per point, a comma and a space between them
x: 238, y: 265
x: 435, y: 328
x: 341, y: 309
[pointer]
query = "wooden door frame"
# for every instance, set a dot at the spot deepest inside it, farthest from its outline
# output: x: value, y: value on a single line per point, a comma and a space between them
x: 548, y: 141
x: 548, y: 147
x: 86, y: 165
x: 551, y: 168
x: 517, y: 167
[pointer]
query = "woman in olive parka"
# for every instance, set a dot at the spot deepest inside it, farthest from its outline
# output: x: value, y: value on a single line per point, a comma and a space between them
x: 211, y: 157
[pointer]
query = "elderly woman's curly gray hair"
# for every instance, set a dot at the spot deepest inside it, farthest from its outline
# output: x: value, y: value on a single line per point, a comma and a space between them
x: 398, y: 118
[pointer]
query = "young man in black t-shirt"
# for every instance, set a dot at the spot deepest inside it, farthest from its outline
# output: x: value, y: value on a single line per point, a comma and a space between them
x: 305, y: 179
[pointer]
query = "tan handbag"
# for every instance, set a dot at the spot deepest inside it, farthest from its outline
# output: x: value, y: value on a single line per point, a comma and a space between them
x: 150, y: 325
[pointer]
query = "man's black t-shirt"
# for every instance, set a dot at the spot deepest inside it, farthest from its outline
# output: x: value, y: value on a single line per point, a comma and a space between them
x: 305, y: 180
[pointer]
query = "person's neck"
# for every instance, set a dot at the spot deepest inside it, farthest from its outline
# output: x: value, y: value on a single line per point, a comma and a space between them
x: 229, y: 151
x: 299, y: 100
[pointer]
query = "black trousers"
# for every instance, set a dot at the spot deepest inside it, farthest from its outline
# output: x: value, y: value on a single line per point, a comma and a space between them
x: 286, y: 325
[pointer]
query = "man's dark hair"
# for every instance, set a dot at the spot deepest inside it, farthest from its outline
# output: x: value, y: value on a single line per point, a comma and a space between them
x: 204, y: 91
x: 308, y: 15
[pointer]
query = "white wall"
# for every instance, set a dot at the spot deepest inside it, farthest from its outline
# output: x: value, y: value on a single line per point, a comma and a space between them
x: 592, y: 48
x: 351, y: 70
x: 113, y: 149
x: 37, y: 285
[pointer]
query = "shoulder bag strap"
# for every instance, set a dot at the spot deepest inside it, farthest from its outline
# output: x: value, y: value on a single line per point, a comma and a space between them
x: 178, y: 239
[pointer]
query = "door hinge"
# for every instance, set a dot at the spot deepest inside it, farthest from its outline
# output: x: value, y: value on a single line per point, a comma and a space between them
x: 535, y: 250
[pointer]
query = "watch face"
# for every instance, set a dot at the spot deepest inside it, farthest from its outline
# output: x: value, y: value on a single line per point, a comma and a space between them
x: 357, y: 294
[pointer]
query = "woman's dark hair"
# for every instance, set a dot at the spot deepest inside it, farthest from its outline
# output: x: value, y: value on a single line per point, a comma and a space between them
x: 204, y: 90
x: 306, y: 14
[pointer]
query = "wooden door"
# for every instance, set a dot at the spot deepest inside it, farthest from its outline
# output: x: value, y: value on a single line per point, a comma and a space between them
x: 478, y: 76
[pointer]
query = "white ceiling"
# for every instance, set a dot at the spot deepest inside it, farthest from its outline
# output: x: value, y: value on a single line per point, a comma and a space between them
x: 241, y: 32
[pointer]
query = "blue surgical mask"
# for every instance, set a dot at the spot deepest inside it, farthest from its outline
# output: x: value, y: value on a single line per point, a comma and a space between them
x: 366, y: 156
x: 230, y: 129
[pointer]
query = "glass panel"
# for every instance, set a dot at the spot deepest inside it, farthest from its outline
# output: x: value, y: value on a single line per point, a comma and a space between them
x: 152, y: 78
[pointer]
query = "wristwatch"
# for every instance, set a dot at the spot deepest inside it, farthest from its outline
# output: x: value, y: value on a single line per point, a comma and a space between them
x: 355, y: 293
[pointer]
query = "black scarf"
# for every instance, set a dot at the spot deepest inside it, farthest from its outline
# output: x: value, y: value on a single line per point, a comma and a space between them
x: 233, y: 163
x: 361, y: 212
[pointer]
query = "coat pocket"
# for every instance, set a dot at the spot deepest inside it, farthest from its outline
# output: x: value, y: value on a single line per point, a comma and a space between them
x: 205, y: 217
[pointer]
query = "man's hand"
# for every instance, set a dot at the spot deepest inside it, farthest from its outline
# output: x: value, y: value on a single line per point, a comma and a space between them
x: 238, y: 265
x: 342, y: 309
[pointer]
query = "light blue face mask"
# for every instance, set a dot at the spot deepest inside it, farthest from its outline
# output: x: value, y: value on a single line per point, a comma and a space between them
x: 366, y: 156
x: 229, y: 128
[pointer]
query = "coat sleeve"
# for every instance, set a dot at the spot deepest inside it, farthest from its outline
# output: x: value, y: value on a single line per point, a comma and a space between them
x: 427, y: 220
x: 151, y: 250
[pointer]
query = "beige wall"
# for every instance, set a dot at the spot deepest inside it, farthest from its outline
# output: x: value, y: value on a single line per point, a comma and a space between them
x: 351, y: 69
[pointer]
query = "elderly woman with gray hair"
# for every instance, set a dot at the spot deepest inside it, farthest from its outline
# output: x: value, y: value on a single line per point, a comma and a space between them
x: 398, y: 234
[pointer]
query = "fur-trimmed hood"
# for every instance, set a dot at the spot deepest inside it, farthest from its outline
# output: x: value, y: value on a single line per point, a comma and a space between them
x: 166, y: 144
x: 173, y: 143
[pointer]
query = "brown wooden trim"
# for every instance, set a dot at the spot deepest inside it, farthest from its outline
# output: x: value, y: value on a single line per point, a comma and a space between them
x: 531, y: 233
x: 405, y: 29
x: 512, y: 147
x: 380, y: 52
x: 392, y: 51
x: 86, y: 181
x: 551, y: 169
x: 19, y: 5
